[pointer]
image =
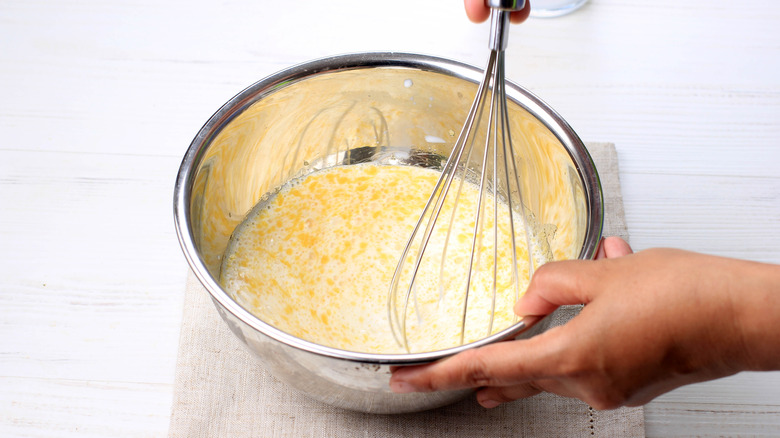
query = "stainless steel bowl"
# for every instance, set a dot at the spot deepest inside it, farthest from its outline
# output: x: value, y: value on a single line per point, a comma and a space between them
x: 352, y: 108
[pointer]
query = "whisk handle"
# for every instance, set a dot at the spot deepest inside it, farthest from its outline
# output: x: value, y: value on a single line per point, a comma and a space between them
x: 506, y: 5
x: 499, y: 21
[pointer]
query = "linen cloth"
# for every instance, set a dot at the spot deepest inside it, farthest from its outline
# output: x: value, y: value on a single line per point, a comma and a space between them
x: 221, y: 390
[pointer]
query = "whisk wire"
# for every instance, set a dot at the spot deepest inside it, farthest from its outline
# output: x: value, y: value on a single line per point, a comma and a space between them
x: 435, y: 201
x: 496, y: 98
x: 478, y: 216
x: 498, y: 145
x: 513, y: 176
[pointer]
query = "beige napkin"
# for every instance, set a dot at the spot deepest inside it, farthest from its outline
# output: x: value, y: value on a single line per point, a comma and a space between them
x: 223, y: 391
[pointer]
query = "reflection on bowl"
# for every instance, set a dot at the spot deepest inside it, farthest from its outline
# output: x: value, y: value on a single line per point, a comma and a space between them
x: 353, y: 109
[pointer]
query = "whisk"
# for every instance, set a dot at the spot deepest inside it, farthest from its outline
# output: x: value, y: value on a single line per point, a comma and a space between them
x: 499, y: 162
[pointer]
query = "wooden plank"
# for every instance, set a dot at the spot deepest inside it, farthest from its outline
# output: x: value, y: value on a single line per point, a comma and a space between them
x: 44, y: 408
x: 743, y: 388
x: 688, y: 419
x: 723, y: 215
x: 92, y: 276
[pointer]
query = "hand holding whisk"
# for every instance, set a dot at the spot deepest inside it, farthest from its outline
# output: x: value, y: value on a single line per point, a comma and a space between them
x: 499, y: 236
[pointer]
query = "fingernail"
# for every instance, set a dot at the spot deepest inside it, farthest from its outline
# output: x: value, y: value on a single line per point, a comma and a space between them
x: 489, y: 404
x: 402, y: 387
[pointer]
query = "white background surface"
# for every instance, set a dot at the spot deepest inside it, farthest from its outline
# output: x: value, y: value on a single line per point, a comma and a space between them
x: 99, y: 100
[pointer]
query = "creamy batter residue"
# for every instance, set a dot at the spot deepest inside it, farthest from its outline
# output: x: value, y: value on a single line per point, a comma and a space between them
x: 316, y: 259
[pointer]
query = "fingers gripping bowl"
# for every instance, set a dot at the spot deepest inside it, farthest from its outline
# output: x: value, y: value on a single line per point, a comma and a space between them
x: 385, y: 108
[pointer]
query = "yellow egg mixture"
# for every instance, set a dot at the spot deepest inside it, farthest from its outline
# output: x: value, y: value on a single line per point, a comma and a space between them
x: 316, y: 260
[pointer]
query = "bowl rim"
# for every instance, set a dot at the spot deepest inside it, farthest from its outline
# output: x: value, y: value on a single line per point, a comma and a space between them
x: 580, y: 156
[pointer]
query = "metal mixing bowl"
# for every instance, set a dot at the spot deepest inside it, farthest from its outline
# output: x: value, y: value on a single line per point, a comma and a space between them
x: 392, y: 107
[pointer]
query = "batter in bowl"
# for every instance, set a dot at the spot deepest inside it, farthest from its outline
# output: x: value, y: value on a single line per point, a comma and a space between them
x: 316, y: 259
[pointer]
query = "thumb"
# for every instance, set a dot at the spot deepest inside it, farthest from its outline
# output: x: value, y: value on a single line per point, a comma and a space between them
x: 559, y: 283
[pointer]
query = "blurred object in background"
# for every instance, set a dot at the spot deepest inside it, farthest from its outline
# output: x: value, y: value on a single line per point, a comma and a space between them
x: 554, y: 8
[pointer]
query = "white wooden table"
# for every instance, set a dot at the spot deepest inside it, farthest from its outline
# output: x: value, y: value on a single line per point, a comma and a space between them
x: 99, y: 100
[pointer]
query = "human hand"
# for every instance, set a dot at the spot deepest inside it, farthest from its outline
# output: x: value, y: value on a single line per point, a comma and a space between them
x: 478, y: 11
x: 653, y: 321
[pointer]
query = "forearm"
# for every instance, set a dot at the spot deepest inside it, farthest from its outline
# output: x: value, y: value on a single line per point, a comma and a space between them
x: 755, y: 291
x: 723, y: 313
